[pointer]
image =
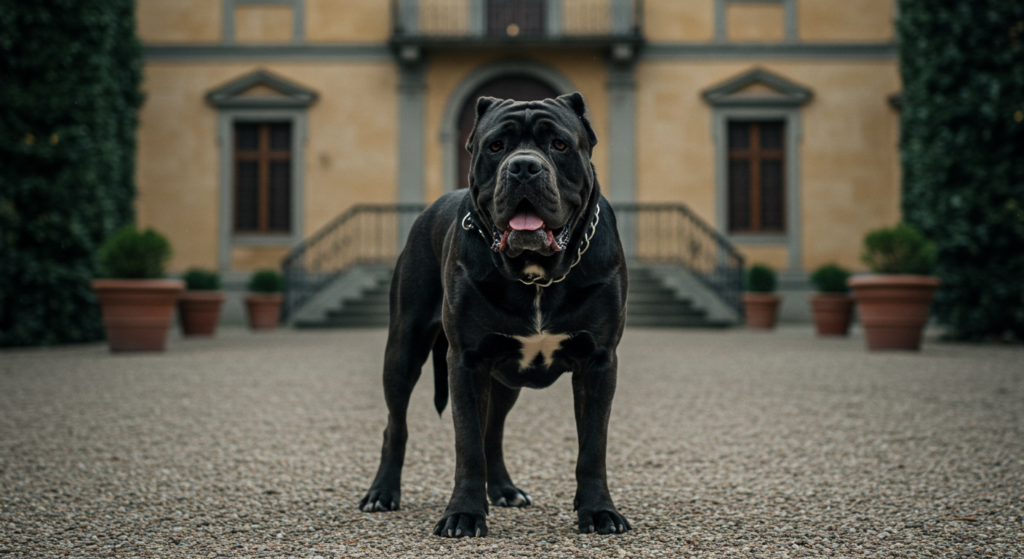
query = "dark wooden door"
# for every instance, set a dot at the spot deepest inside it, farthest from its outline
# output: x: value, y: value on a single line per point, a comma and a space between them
x: 514, y: 18
x: 520, y: 88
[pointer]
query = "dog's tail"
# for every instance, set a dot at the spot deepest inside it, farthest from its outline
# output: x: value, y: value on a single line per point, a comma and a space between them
x: 440, y: 372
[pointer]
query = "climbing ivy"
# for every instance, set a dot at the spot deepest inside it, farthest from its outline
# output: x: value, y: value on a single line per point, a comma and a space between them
x: 963, y: 155
x: 70, y: 72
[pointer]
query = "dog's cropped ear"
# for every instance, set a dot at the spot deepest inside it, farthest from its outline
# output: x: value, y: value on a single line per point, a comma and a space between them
x: 482, y: 104
x: 575, y: 102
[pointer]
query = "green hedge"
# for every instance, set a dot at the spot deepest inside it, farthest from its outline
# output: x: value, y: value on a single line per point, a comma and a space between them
x: 69, y: 91
x: 963, y: 155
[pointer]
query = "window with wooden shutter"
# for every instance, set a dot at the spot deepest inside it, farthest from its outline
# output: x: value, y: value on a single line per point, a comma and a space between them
x: 756, y: 177
x: 263, y: 171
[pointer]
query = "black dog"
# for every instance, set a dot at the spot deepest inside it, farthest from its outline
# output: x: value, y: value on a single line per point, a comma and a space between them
x: 511, y: 283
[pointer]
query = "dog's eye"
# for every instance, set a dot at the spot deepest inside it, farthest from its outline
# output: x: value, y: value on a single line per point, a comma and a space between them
x: 558, y: 144
x: 497, y: 146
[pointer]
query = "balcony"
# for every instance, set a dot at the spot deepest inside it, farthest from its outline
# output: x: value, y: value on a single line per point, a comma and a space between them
x: 611, y: 25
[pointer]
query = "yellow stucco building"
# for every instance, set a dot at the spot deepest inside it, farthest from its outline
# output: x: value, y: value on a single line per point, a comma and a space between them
x: 266, y: 119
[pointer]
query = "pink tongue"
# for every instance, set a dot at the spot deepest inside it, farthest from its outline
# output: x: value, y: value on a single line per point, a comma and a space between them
x: 526, y: 221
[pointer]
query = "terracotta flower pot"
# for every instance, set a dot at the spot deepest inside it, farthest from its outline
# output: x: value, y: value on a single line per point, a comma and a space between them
x: 264, y: 310
x: 199, y: 312
x: 893, y: 308
x: 137, y: 313
x: 761, y: 309
x: 832, y: 313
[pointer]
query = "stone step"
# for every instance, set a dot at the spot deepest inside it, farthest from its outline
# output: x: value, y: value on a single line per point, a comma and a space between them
x: 645, y: 284
x: 664, y: 309
x: 359, y: 308
x: 653, y: 297
x: 370, y: 321
x: 674, y: 322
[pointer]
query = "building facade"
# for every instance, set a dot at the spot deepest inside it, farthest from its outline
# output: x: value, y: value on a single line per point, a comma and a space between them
x: 264, y: 119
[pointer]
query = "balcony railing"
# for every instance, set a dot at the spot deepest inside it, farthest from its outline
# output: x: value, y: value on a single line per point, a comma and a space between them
x: 509, y: 21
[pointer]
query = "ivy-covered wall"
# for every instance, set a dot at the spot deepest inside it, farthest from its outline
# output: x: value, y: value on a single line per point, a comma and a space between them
x: 70, y: 72
x: 963, y: 155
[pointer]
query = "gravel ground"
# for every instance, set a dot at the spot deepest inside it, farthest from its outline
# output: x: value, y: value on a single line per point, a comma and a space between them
x: 722, y: 444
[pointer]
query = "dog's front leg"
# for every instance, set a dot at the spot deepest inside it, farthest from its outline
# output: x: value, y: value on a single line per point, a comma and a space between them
x: 466, y: 514
x: 593, y: 390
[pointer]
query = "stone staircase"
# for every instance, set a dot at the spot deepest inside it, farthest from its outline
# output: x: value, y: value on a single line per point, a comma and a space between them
x: 650, y: 304
x: 369, y: 309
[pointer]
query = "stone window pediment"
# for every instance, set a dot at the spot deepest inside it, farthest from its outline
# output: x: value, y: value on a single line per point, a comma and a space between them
x: 758, y: 88
x: 261, y: 90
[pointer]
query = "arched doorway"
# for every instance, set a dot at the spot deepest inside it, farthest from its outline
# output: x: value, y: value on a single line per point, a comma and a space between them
x: 520, y: 88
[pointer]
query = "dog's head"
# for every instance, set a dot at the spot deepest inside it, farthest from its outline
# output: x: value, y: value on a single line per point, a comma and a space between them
x: 531, y: 178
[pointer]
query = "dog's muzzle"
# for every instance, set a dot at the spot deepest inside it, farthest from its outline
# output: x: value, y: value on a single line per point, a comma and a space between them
x: 527, y: 231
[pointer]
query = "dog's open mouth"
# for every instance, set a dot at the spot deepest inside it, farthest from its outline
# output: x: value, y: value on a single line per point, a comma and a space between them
x: 527, y: 231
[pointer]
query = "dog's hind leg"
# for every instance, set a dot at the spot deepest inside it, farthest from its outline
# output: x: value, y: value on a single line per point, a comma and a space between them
x: 500, y: 489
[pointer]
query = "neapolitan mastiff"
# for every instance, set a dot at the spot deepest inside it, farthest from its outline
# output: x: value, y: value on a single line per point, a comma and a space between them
x: 513, y: 282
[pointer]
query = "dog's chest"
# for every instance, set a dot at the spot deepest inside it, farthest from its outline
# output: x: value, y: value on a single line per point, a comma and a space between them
x: 538, y: 348
x: 536, y: 351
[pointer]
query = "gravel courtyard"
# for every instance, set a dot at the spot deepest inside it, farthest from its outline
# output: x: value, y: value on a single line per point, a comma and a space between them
x: 724, y: 443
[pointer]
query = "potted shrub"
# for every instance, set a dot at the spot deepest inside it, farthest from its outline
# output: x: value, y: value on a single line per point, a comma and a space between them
x: 263, y: 303
x: 136, y: 302
x: 760, y: 303
x: 832, y: 305
x: 893, y: 302
x: 200, y: 303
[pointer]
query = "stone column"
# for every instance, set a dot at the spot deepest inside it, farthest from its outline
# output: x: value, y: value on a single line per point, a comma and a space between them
x: 411, y: 136
x: 621, y: 181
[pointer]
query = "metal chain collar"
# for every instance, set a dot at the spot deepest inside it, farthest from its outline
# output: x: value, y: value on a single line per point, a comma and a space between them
x: 467, y: 224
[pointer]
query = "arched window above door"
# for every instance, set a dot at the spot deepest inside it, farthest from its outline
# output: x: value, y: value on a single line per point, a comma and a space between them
x: 520, y: 88
x: 454, y: 132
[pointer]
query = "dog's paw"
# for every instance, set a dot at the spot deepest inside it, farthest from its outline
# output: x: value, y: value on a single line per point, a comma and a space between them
x: 508, y: 495
x: 380, y: 501
x: 461, y: 524
x: 605, y: 521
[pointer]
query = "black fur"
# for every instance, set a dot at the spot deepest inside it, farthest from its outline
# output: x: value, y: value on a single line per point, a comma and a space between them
x: 455, y: 295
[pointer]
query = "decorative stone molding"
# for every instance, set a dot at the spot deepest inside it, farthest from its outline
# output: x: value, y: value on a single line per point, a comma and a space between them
x: 274, y: 92
x: 758, y: 88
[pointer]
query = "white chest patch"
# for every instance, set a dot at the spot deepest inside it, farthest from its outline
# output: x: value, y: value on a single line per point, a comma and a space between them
x: 544, y: 344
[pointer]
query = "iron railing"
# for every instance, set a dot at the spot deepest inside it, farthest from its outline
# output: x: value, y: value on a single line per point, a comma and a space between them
x: 364, y: 235
x: 374, y: 235
x: 673, y: 234
x: 516, y: 19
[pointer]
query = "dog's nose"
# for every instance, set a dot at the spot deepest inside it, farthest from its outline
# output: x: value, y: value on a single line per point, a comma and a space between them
x: 524, y: 167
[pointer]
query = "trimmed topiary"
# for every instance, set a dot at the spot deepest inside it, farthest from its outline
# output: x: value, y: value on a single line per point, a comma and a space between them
x: 266, y: 281
x: 198, y: 279
x: 902, y: 249
x: 133, y: 254
x: 962, y: 136
x: 760, y: 279
x: 831, y: 278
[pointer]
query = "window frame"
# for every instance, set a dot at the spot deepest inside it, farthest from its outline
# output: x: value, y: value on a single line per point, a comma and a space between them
x: 789, y: 7
x: 227, y: 118
x: 790, y: 116
x: 298, y: 7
